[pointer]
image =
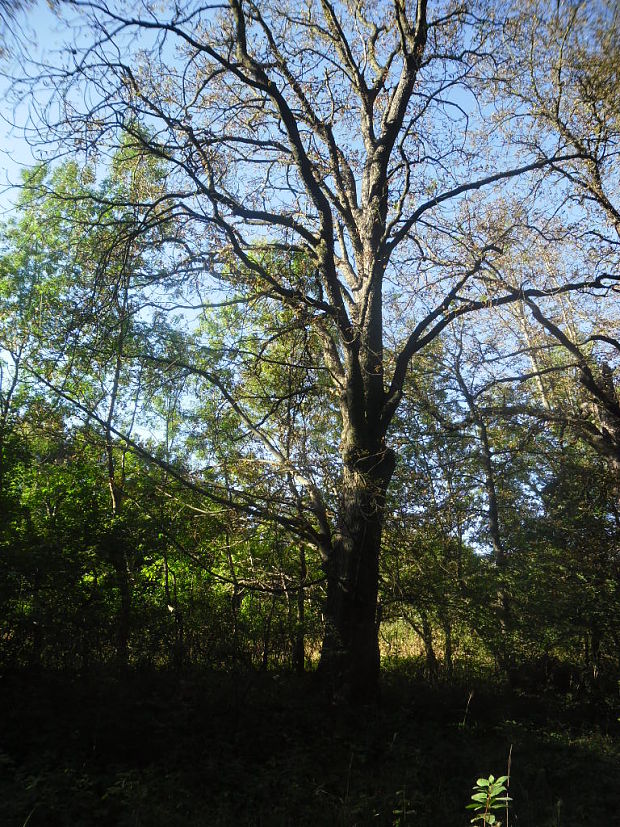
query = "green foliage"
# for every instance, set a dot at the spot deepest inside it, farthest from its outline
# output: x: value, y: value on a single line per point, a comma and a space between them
x: 489, y: 794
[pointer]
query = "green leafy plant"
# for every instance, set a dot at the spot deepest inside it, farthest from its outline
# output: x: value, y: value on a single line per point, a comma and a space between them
x: 489, y: 794
x: 402, y: 810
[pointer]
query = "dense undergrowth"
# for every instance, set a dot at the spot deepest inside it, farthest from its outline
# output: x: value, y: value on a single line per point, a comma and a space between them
x: 255, y: 748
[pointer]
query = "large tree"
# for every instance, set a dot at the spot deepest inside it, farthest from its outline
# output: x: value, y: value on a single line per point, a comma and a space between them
x: 335, y: 159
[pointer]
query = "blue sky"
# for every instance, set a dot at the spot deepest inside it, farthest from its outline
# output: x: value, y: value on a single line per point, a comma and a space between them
x: 36, y: 31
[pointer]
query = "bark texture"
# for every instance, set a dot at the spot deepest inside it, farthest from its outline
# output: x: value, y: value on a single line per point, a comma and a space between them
x: 350, y: 652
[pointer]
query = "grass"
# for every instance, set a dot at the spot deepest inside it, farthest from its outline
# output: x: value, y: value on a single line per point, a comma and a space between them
x: 264, y: 749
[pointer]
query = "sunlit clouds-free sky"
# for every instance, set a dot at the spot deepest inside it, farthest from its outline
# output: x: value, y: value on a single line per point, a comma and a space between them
x: 34, y: 32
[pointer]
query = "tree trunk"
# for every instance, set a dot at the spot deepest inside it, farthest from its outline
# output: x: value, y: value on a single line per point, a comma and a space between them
x: 123, y: 620
x: 432, y: 667
x: 504, y: 654
x: 299, y: 648
x: 267, y: 635
x: 447, y: 658
x: 350, y: 652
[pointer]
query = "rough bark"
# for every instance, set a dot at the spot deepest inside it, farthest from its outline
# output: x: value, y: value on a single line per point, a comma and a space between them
x: 350, y: 651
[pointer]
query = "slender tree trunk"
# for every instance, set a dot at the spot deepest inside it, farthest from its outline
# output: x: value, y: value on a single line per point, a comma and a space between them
x: 267, y: 635
x: 172, y: 601
x: 432, y: 667
x: 505, y: 656
x: 595, y: 651
x: 5, y: 410
x: 123, y: 620
x: 299, y: 649
x: 448, y: 664
x: 36, y: 657
x: 616, y: 639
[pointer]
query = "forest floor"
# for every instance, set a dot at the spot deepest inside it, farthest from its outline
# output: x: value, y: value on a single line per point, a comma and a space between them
x: 265, y: 749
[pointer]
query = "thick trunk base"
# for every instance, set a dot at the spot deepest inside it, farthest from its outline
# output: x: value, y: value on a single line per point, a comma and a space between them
x: 350, y: 663
x: 350, y: 654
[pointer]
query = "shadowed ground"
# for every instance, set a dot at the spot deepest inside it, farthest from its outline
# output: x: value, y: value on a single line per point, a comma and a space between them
x: 264, y: 749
